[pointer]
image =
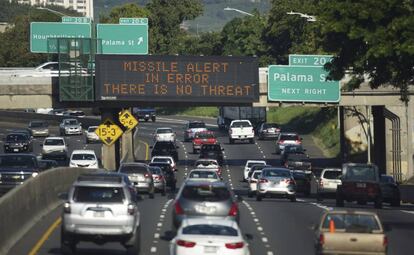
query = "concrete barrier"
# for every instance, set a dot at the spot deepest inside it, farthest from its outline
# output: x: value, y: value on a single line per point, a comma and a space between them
x: 22, y: 207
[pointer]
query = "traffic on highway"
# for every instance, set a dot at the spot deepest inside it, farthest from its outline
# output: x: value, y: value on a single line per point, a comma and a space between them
x: 198, y: 189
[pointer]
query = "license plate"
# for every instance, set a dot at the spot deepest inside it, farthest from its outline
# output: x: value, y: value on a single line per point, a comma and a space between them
x: 205, y: 209
x: 98, y: 214
x: 15, y: 150
x: 210, y: 249
x: 361, y: 185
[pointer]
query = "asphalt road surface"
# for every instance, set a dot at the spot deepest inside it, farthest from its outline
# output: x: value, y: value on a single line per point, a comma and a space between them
x: 272, y: 226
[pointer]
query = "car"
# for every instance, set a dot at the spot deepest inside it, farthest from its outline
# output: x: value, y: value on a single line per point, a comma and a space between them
x: 169, y: 173
x: 39, y: 128
x: 17, y: 142
x: 361, y: 183
x: 268, y: 130
x: 302, y: 181
x: 210, y: 164
x: 58, y: 112
x: 145, y: 114
x: 101, y: 207
x: 249, y: 164
x: 140, y: 176
x: 90, y: 135
x: 255, y: 168
x: 204, y: 137
x: 15, y: 169
x: 328, y: 182
x: 164, y: 134
x: 26, y: 131
x: 46, y: 164
x: 165, y: 148
x: 254, y: 178
x: 70, y: 127
x: 291, y: 149
x: 298, y: 161
x: 203, y: 174
x: 83, y: 158
x: 350, y: 232
x: 209, y: 236
x: 212, y: 151
x: 390, y: 190
x: 241, y: 130
x: 54, y: 148
x: 166, y: 159
x: 160, y: 183
x: 71, y: 113
x: 276, y: 182
x: 191, y: 128
x: 284, y: 139
x: 200, y: 199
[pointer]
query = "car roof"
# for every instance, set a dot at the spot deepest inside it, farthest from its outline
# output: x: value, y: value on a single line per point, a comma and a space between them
x: 159, y: 163
x: 83, y: 152
x: 164, y: 157
x: 69, y: 119
x: 133, y: 164
x: 345, y: 211
x: 16, y: 133
x: 276, y: 168
x: 93, y: 126
x: 332, y: 169
x: 288, y: 133
x: 54, y: 137
x: 203, y: 169
x: 195, y: 121
x: 101, y: 179
x: 199, y: 221
x: 196, y: 182
x: 256, y: 161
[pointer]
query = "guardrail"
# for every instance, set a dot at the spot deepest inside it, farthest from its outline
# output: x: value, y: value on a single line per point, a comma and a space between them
x: 22, y: 207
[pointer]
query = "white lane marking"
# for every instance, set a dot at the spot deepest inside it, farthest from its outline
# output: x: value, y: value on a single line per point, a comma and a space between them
x: 410, y: 212
x: 326, y: 208
x: 157, y: 235
x: 159, y: 225
x: 153, y: 249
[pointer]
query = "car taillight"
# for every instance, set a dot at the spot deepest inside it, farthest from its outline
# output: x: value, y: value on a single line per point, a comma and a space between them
x: 186, y: 244
x: 147, y: 175
x: 290, y: 181
x: 237, y: 245
x: 131, y: 209
x: 178, y: 209
x: 281, y: 141
x: 385, y: 241
x: 234, y: 210
x: 321, y: 183
x: 321, y: 239
x: 263, y: 180
x: 298, y: 141
x: 66, y: 207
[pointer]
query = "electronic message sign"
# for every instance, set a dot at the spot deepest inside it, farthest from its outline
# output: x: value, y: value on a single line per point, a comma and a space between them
x: 177, y: 79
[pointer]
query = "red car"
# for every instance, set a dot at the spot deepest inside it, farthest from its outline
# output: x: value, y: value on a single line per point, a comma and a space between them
x: 204, y: 137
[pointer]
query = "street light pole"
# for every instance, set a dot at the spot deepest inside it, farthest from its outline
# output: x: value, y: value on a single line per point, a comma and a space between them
x: 237, y: 10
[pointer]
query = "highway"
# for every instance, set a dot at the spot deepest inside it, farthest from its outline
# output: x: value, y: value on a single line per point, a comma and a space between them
x: 273, y: 226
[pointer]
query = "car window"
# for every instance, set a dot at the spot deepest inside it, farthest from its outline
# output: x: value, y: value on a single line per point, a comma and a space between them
x: 71, y: 122
x: 293, y: 149
x: 250, y: 164
x: 240, y: 124
x: 256, y: 174
x: 37, y: 124
x: 289, y: 137
x: 166, y: 168
x: 92, y: 129
x: 155, y: 170
x: 98, y: 195
x: 166, y: 160
x: 133, y: 169
x: 83, y: 156
x: 332, y: 175
x: 54, y: 142
x: 353, y: 223
x: 204, y: 135
x: 17, y: 161
x: 164, y: 131
x: 205, y: 193
x: 276, y: 173
x: 16, y: 137
x: 203, y: 174
x: 196, y: 125
x: 211, y: 147
x: 366, y: 173
x: 216, y: 230
x: 270, y: 125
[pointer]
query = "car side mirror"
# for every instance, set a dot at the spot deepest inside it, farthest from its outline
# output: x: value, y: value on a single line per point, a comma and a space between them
x: 63, y: 196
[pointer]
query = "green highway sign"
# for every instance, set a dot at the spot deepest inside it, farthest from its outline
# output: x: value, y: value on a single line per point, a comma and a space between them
x: 67, y: 19
x: 309, y: 60
x: 40, y: 32
x: 123, y: 39
x: 301, y: 84
x: 133, y: 21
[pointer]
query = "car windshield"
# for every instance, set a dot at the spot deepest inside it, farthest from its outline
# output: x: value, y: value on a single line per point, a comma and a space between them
x: 164, y: 131
x: 364, y: 173
x: 92, y: 129
x: 166, y: 160
x: 294, y: 149
x: 128, y: 169
x: 256, y: 174
x: 258, y: 167
x: 37, y: 124
x: 203, y: 174
x: 276, y: 173
x: 197, y: 125
x: 83, y: 156
x: 155, y: 170
x: 98, y: 195
x: 204, y: 135
x: 205, y: 193
x: 270, y: 125
x: 16, y: 138
x: 54, y: 142
x: 211, y: 230
x: 164, y: 146
x: 289, y: 137
x: 250, y: 164
x: 165, y: 167
x: 240, y: 124
x: 353, y: 223
x: 332, y: 175
x: 71, y: 122
x: 17, y: 161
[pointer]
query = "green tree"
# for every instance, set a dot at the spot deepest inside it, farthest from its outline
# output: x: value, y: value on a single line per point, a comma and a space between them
x: 369, y: 37
x: 207, y: 44
x: 129, y: 10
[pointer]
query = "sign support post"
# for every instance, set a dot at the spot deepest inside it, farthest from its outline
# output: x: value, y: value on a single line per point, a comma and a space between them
x: 110, y: 154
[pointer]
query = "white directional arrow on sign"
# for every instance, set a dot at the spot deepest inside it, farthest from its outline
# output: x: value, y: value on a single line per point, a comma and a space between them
x: 140, y: 40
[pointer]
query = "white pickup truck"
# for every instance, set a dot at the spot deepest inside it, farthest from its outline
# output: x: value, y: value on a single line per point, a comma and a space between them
x: 241, y: 130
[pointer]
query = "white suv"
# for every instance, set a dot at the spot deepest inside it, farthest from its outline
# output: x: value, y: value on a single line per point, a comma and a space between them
x: 101, y: 207
x: 54, y: 147
x: 83, y: 158
x: 241, y: 130
x: 248, y: 166
x: 328, y: 182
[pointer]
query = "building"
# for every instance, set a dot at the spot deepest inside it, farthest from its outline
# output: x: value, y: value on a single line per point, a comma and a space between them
x: 85, y: 7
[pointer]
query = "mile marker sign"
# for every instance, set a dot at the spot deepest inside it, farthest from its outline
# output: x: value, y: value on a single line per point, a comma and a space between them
x: 301, y: 84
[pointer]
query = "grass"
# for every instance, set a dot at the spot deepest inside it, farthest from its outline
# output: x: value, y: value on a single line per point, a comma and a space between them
x: 190, y: 111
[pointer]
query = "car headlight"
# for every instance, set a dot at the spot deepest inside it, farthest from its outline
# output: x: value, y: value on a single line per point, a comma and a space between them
x: 66, y: 127
x: 94, y: 163
x: 72, y: 164
x: 34, y: 174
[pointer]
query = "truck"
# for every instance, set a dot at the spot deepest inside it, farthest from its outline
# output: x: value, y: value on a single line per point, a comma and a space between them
x: 144, y: 114
x: 227, y: 114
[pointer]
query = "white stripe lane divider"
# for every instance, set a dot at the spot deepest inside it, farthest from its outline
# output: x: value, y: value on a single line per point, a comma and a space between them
x: 160, y: 223
x: 260, y: 150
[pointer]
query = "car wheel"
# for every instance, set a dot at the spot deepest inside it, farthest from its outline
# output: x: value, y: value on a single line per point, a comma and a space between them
x: 319, y: 197
x: 251, y: 140
x: 163, y: 192
x: 249, y: 194
x: 67, y: 244
x: 292, y: 198
x: 396, y: 202
x: 378, y: 202
x: 258, y: 197
x: 194, y: 151
x: 135, y: 246
x: 231, y: 141
x: 339, y: 200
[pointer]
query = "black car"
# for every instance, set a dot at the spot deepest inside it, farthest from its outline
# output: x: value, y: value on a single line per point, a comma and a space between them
x: 145, y: 114
x: 303, y: 182
x: 268, y: 130
x: 169, y: 174
x: 212, y: 151
x: 298, y: 162
x: 16, y: 169
x: 291, y: 149
x: 165, y: 148
x: 18, y: 142
x: 390, y: 190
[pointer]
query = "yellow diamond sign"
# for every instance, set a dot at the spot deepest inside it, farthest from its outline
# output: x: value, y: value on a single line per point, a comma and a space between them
x: 127, y: 119
x: 108, y: 132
